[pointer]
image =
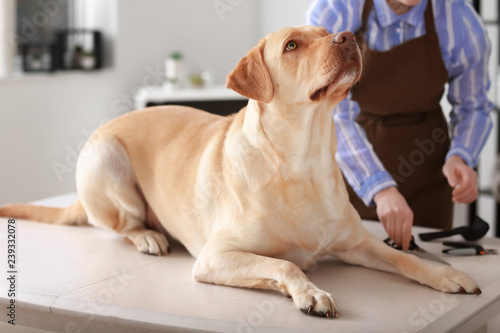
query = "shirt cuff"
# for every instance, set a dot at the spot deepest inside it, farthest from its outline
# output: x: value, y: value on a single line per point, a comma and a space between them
x: 464, y: 154
x: 373, y: 185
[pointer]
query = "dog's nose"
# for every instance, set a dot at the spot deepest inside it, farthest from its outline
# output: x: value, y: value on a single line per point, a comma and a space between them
x: 345, y: 42
x: 342, y: 37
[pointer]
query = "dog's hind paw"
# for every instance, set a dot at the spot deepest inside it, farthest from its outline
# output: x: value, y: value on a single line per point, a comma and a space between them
x: 148, y: 241
x: 316, y: 302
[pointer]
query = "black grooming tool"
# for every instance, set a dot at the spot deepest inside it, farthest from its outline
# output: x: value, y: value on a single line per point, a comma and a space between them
x: 467, y: 249
x: 476, y: 230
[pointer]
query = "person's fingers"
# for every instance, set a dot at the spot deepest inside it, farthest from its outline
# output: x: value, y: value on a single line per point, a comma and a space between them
x: 471, y: 197
x: 449, y: 173
x: 393, y: 212
x: 384, y: 223
x: 467, y: 196
x: 406, y: 231
x: 466, y: 176
x: 460, y: 191
x: 389, y: 227
x: 466, y: 192
x: 398, y: 228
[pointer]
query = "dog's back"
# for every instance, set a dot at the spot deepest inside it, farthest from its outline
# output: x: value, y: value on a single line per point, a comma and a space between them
x: 116, y: 165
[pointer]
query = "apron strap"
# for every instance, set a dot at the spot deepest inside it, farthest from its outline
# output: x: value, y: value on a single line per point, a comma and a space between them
x: 430, y: 25
x: 367, y: 8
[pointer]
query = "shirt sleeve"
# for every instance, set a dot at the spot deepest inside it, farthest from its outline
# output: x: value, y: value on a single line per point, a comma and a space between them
x: 469, y: 84
x: 355, y: 156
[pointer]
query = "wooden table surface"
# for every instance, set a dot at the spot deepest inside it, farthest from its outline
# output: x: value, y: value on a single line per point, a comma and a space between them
x: 83, y: 279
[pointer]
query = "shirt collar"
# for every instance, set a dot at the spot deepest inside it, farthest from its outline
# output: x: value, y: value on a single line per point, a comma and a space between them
x: 386, y: 16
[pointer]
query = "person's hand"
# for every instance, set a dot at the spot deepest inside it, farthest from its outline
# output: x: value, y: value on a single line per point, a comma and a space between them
x: 462, y: 178
x: 395, y: 214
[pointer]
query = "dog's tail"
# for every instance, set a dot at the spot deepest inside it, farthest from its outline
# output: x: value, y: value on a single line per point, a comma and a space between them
x: 72, y: 215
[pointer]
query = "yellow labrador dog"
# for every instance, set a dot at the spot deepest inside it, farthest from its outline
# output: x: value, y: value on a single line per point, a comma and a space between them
x: 256, y: 197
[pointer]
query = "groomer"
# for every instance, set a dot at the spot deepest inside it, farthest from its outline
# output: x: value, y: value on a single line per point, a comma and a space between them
x: 403, y: 164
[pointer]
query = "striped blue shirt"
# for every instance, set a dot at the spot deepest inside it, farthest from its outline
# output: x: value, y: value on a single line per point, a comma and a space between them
x: 465, y: 48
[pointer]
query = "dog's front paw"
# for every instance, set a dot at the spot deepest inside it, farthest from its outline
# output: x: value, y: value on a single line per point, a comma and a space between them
x: 450, y: 280
x: 316, y: 302
x: 148, y: 241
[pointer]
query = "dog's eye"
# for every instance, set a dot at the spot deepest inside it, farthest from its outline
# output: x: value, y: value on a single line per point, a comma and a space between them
x: 291, y: 46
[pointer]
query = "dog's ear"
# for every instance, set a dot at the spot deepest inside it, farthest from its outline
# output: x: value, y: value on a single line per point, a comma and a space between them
x: 250, y: 77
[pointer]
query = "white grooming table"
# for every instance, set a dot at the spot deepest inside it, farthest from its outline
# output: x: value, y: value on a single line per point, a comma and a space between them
x: 83, y: 279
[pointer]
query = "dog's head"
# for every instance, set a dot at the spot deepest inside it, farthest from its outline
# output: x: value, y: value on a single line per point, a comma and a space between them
x: 299, y: 65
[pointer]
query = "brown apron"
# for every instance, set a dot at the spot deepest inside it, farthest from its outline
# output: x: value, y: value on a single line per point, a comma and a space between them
x: 399, y: 95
